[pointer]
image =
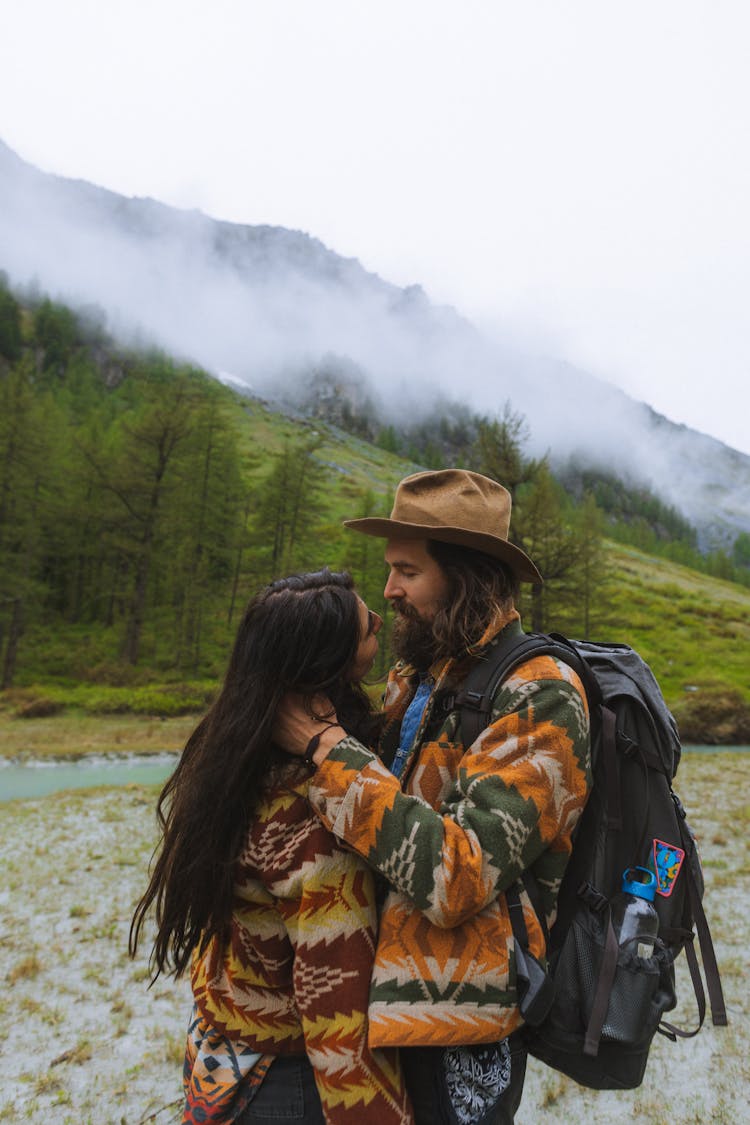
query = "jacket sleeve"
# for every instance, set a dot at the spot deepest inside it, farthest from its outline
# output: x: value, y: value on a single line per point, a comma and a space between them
x: 518, y: 792
x: 328, y: 906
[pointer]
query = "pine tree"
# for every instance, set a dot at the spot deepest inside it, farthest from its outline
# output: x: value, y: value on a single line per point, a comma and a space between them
x: 202, y: 526
x: 28, y: 422
x: 591, y: 568
x: 10, y: 322
x: 544, y: 533
x: 138, y: 477
x: 498, y: 450
x: 55, y: 335
x: 363, y: 557
x: 287, y: 508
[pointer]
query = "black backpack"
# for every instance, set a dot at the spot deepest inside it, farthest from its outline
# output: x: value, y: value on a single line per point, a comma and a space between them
x: 593, y: 1011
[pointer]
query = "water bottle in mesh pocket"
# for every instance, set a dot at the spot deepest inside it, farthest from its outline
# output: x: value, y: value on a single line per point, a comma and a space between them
x: 633, y: 994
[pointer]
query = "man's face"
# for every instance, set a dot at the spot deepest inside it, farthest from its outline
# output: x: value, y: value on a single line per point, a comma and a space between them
x: 417, y: 587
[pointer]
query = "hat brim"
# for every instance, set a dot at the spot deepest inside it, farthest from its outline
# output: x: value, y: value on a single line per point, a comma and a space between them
x: 493, y: 545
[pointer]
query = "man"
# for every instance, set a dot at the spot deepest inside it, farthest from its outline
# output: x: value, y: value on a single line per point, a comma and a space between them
x: 452, y: 828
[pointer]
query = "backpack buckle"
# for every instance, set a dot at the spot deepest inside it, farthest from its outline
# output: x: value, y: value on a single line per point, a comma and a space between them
x: 593, y: 898
x: 679, y: 806
x: 625, y: 744
x: 469, y: 698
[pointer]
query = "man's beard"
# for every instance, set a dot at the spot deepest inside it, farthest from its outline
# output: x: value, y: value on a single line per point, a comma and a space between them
x: 412, y: 638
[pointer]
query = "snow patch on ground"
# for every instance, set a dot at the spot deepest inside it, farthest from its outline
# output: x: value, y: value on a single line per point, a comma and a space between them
x: 87, y: 1042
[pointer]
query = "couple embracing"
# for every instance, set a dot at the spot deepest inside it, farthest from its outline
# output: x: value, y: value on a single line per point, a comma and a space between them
x: 337, y: 880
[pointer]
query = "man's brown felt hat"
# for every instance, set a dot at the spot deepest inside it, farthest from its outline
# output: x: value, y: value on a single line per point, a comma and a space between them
x: 453, y: 506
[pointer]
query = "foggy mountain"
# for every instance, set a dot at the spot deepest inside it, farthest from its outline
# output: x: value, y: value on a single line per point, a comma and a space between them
x: 263, y: 305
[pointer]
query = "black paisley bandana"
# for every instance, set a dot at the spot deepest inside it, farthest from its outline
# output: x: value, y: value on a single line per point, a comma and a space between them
x: 476, y: 1077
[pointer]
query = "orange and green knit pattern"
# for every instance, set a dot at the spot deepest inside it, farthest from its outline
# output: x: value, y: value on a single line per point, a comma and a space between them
x: 466, y: 825
x: 293, y: 975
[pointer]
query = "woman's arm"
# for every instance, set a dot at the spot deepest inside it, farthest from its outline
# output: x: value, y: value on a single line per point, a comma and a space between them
x: 518, y: 792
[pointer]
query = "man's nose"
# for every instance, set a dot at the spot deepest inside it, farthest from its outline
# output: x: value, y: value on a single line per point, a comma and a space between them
x: 392, y: 587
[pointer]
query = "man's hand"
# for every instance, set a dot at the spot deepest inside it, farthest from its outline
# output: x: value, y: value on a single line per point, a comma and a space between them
x: 294, y: 727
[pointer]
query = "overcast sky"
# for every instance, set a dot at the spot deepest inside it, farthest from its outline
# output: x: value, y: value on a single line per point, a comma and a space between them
x: 576, y: 173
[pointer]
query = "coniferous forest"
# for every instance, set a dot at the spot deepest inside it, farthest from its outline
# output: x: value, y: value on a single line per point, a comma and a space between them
x: 142, y: 503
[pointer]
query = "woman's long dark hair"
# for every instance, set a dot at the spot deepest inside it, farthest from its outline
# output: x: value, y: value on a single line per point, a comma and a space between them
x: 298, y: 634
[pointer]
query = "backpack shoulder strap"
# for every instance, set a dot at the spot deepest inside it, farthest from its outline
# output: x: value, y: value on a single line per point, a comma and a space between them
x: 481, y: 685
x: 475, y: 697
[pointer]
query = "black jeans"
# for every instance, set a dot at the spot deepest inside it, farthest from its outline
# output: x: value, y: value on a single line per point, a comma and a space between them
x: 425, y: 1081
x: 287, y: 1094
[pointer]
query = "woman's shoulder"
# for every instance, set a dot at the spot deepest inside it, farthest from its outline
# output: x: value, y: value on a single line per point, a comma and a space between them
x: 284, y: 784
x: 285, y: 835
x: 281, y: 797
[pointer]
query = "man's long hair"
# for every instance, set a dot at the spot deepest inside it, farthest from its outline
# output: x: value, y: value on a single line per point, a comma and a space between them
x: 481, y: 590
x: 299, y: 634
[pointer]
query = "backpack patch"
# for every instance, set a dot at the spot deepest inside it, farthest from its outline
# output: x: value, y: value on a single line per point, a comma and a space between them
x: 667, y: 863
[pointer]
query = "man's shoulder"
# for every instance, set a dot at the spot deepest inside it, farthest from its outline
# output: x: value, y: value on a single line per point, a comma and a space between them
x: 544, y: 689
x: 529, y: 662
x: 517, y: 677
x: 543, y: 668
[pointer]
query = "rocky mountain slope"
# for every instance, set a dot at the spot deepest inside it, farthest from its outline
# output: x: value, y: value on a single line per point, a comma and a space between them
x: 263, y: 305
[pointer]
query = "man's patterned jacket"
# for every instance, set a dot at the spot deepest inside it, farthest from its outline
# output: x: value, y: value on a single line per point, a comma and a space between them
x: 466, y: 824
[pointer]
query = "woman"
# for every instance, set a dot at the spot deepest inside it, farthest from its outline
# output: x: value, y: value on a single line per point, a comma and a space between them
x: 277, y: 920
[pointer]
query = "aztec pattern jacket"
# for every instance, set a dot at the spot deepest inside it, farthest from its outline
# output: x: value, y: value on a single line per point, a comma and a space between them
x: 467, y: 823
x: 293, y: 974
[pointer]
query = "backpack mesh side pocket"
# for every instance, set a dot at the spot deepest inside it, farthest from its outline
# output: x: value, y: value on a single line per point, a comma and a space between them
x: 642, y: 991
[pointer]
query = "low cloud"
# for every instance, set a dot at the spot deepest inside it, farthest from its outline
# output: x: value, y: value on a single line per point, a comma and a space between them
x: 264, y: 304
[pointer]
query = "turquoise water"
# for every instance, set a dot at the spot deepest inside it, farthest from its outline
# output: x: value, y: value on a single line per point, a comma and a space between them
x: 37, y: 779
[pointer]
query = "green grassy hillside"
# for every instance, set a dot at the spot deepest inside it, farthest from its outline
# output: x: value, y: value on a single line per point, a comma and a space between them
x: 143, y: 504
x: 353, y: 466
x: 693, y: 629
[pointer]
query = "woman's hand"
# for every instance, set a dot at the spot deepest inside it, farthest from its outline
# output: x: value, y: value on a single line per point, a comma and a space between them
x: 294, y: 727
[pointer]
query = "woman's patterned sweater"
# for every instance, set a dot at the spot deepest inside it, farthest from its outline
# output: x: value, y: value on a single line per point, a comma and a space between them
x: 294, y: 973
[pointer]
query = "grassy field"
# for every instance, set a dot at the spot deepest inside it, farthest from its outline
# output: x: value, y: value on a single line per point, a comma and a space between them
x: 693, y: 630
x: 77, y: 735
x: 98, y: 1048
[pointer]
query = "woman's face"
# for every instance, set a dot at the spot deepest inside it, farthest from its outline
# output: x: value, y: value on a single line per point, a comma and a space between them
x: 369, y: 627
